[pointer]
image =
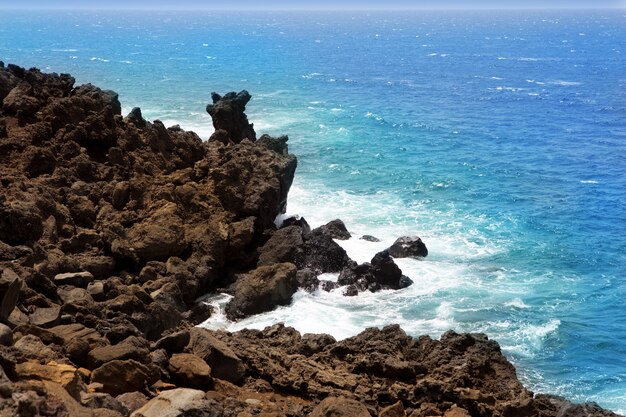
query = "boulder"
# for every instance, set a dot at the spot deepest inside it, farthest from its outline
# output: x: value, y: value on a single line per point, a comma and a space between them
x: 120, y: 376
x: 132, y: 400
x: 341, y: 406
x: 130, y: 348
x: 173, y: 342
x: 76, y: 279
x: 321, y: 253
x: 386, y: 273
x: 284, y: 246
x: 46, y: 316
x: 262, y: 289
x: 296, y: 221
x: 178, y: 402
x: 395, y: 410
x: 62, y: 374
x: 6, y: 335
x: 370, y: 238
x: 102, y: 400
x: 228, y: 114
x: 408, y: 246
x: 189, y: 370
x: 336, y: 229
x: 224, y: 363
x: 10, y: 286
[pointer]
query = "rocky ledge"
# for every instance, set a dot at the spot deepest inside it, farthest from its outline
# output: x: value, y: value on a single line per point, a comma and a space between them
x: 112, y: 227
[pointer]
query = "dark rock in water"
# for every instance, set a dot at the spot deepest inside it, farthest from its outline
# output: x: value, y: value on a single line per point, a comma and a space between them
x: 336, y: 229
x: 381, y: 273
x: 408, y: 246
x: 370, y: 238
x: 228, y: 114
x: 296, y: 221
x: 262, y: 289
x: 405, y: 282
x: 351, y: 291
x: 285, y: 245
x: 321, y: 254
x: 385, y: 271
x: 327, y: 286
x: 307, y: 279
x: 354, y: 272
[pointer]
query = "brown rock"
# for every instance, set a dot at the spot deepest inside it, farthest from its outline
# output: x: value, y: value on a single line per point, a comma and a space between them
x: 334, y: 407
x: 6, y: 335
x: 395, y: 410
x: 131, y: 348
x: 76, y: 279
x: 132, y: 400
x: 176, y: 403
x: 64, y: 375
x: 224, y: 363
x: 118, y: 377
x: 262, y: 290
x: 456, y: 412
x: 46, y: 317
x: 189, y: 370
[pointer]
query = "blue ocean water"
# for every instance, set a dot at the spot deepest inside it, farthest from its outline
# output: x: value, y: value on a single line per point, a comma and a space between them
x: 498, y: 137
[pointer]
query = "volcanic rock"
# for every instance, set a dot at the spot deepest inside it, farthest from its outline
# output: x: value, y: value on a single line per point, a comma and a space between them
x: 262, y: 289
x: 228, y: 114
x: 336, y: 229
x: 189, y: 370
x: 408, y: 246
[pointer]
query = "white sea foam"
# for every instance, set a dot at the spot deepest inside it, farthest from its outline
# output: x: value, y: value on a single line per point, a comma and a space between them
x: 565, y: 83
x: 588, y: 182
x: 98, y: 59
x: 516, y: 303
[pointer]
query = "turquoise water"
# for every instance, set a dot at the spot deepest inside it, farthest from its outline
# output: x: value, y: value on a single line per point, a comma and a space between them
x: 499, y: 138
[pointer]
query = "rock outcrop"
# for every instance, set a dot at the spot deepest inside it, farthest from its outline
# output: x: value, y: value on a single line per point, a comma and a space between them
x: 111, y: 227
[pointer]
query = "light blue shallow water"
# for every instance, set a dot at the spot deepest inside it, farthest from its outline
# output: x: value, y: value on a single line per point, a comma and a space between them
x: 500, y: 138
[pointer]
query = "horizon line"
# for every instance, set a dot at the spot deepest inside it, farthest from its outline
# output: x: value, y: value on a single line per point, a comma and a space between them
x: 329, y: 9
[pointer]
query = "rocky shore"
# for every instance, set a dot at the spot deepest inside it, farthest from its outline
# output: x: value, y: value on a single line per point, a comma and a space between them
x: 112, y: 227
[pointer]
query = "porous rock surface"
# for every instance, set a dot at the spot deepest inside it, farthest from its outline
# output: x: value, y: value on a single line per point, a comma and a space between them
x: 111, y: 227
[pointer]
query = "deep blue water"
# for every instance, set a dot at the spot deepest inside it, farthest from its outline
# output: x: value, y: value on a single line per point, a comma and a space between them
x: 498, y: 137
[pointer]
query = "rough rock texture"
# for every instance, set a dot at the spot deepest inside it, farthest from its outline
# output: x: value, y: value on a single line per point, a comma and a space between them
x: 228, y: 116
x: 111, y: 227
x: 408, y: 246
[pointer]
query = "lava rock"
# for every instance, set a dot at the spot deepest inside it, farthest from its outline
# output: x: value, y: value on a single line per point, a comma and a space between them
x: 408, y: 246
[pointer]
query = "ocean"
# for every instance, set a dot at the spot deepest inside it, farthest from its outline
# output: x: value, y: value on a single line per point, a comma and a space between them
x: 498, y: 137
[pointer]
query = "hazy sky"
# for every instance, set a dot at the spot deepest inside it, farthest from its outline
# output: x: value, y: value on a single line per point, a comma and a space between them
x: 309, y: 4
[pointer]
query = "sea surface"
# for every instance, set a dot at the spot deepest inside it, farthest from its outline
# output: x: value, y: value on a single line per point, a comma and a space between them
x: 498, y: 137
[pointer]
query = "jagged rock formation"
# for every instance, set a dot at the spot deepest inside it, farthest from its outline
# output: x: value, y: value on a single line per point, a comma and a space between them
x: 111, y: 227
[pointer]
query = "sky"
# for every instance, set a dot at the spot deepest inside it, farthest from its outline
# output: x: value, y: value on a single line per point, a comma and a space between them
x: 309, y: 4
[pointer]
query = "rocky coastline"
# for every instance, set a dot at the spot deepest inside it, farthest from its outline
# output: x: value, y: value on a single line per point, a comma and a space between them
x: 113, y: 227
